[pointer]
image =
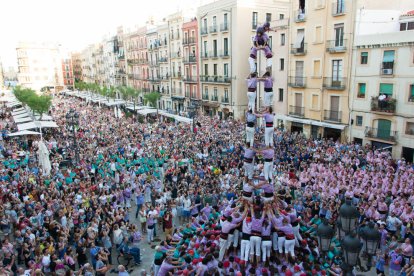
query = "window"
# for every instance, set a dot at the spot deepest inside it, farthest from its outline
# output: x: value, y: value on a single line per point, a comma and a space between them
x: 409, y: 128
x: 364, y: 58
x: 215, y: 92
x: 282, y: 39
x: 410, y: 26
x: 205, y: 24
x: 282, y: 64
x: 214, y: 21
x: 318, y: 34
x: 336, y: 70
x: 280, y: 94
x: 226, y: 93
x: 206, y: 69
x: 358, y: 120
x: 268, y: 17
x: 339, y: 35
x: 407, y: 26
x: 270, y: 43
x: 205, y: 48
x: 215, y: 48
x: 206, y: 92
x: 411, y: 96
x: 226, y: 69
x: 215, y: 69
x: 225, y: 19
x: 403, y: 26
x: 388, y: 63
x: 315, y: 102
x: 226, y: 46
x: 281, y: 16
x: 361, y: 90
x: 316, y: 68
x: 254, y: 20
x: 386, y: 88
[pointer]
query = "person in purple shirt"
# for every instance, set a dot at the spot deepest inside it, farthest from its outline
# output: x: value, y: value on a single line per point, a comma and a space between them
x: 167, y: 265
x: 250, y: 126
x: 268, y: 89
x: 251, y: 90
x: 249, y: 154
x: 226, y: 226
x: 269, y: 130
x: 266, y: 240
x: 268, y: 153
x: 260, y: 43
x: 256, y: 233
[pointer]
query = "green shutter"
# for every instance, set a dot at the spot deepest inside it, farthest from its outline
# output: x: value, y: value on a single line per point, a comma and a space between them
x: 388, y: 56
x: 386, y: 88
x: 364, y: 54
x: 361, y: 88
x: 412, y: 90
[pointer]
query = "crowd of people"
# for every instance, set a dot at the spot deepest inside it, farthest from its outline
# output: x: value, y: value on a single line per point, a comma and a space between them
x: 223, y: 206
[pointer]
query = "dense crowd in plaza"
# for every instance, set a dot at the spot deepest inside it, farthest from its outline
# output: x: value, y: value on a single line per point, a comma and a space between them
x: 225, y: 206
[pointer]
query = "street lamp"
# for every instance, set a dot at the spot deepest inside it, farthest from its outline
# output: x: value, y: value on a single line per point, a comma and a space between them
x: 72, y: 119
x: 348, y: 216
x: 351, y: 246
x: 325, y: 233
x: 371, y: 237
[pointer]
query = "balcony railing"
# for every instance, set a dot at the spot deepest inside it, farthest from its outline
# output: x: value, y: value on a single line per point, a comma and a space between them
x: 176, y: 55
x: 336, y: 46
x: 381, y: 134
x: 154, y: 79
x: 224, y: 27
x: 176, y: 75
x: 188, y: 40
x: 332, y: 115
x: 338, y: 7
x: 254, y: 25
x: 213, y: 54
x: 205, y: 97
x: 203, y: 31
x: 299, y: 82
x: 215, y: 79
x: 190, y: 79
x: 190, y: 59
x: 213, y: 29
x: 165, y: 77
x: 176, y: 92
x: 387, y: 105
x: 387, y: 68
x: 204, y: 55
x: 298, y: 111
x: 299, y: 51
x: 214, y: 98
x: 300, y: 16
x: 224, y: 100
x: 225, y: 54
x: 334, y: 83
x: 163, y: 60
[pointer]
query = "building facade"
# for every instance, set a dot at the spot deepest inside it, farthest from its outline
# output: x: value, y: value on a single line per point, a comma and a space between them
x: 382, y: 91
x: 77, y: 66
x: 39, y: 65
x: 67, y: 72
x: 226, y: 31
x: 164, y: 65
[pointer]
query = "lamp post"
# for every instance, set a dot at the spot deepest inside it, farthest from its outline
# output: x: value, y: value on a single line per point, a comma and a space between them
x: 325, y: 233
x: 371, y: 237
x: 72, y: 120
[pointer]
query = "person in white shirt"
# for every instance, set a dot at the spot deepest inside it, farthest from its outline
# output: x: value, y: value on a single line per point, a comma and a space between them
x: 393, y: 223
x: 187, y: 208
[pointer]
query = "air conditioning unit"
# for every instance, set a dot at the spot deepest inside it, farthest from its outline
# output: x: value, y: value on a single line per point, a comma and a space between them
x: 387, y: 71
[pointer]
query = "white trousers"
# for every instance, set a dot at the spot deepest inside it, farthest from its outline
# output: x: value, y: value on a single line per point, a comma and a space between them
x: 236, y: 238
x: 150, y: 234
x: 252, y: 64
x: 268, y: 98
x: 269, y: 62
x: 248, y: 170
x: 269, y: 136
x: 298, y: 237
x: 250, y: 135
x: 268, y: 171
x: 229, y: 240
x: 255, y: 245
x: 223, y: 247
x: 252, y: 99
x: 245, y: 249
x: 281, y: 244
x: 266, y: 246
x: 274, y: 241
x: 290, y: 247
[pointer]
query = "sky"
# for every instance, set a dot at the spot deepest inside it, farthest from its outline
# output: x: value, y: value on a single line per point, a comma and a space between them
x: 74, y: 23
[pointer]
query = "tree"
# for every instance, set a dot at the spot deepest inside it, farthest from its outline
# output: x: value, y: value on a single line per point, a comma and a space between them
x: 39, y: 104
x: 152, y: 98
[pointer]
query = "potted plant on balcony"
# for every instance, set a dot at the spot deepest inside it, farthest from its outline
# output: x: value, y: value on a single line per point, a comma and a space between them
x: 411, y: 99
x: 391, y: 104
x: 374, y: 103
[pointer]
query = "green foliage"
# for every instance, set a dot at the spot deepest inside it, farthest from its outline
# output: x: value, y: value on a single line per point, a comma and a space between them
x: 39, y: 104
x: 152, y: 98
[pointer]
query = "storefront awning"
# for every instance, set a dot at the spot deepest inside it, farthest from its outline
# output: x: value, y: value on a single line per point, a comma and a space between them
x: 215, y: 105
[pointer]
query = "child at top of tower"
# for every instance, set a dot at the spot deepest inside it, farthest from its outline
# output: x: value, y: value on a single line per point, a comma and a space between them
x: 260, y: 42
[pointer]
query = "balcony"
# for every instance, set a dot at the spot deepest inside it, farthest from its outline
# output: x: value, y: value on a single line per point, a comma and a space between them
x: 145, y: 90
x: 163, y: 60
x: 176, y: 75
x: 213, y: 54
x: 175, y: 55
x: 297, y: 111
x: 213, y: 29
x: 214, y: 98
x: 388, y: 105
x: 204, y: 55
x: 188, y: 40
x: 154, y: 79
x: 297, y: 82
x: 300, y: 16
x: 334, y: 83
x: 336, y: 46
x: 205, y: 97
x: 224, y: 27
x: 299, y: 51
x: 338, y: 8
x: 381, y: 134
x: 165, y: 77
x: 176, y: 92
x: 225, y: 100
x: 203, y: 31
x: 332, y: 115
x: 190, y: 59
x: 216, y: 79
x: 190, y: 79
x: 387, y: 69
x: 225, y: 54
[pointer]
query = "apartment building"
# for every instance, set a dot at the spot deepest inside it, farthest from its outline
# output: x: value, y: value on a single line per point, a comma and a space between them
x: 77, y: 66
x: 153, y: 57
x: 382, y: 87
x: 320, y: 67
x: 120, y: 62
x: 164, y: 66
x: 2, y: 84
x: 224, y: 43
x: 67, y: 72
x: 39, y: 65
x: 191, y: 61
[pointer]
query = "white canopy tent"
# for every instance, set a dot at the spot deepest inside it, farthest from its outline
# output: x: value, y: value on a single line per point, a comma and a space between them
x: 36, y: 124
x: 146, y: 111
x: 21, y: 115
x: 24, y: 132
x: 19, y: 109
x: 13, y: 104
x: 22, y: 120
x: 14, y: 113
x: 44, y: 117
